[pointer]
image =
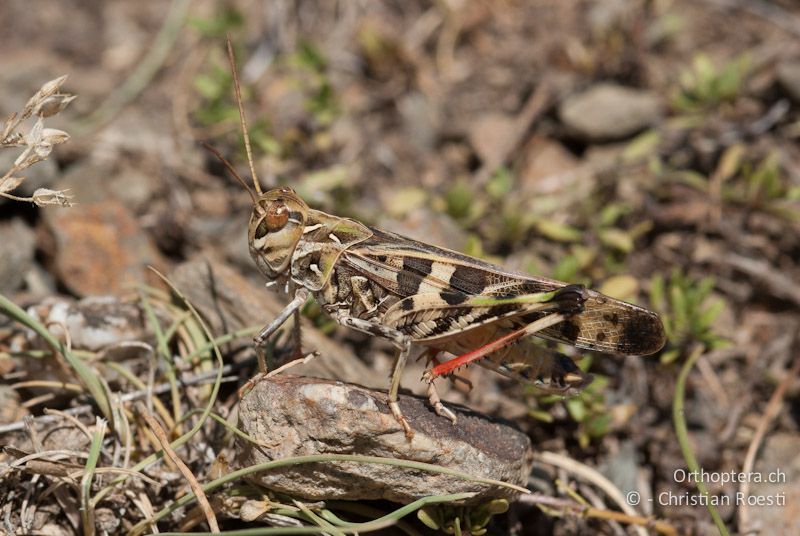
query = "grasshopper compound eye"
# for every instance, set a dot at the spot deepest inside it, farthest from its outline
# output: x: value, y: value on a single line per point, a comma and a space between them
x: 277, y: 216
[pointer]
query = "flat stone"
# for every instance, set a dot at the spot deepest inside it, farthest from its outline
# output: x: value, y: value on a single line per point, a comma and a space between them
x: 298, y: 416
x: 609, y: 111
x: 94, y: 323
x: 492, y: 135
x: 100, y: 248
x: 547, y: 168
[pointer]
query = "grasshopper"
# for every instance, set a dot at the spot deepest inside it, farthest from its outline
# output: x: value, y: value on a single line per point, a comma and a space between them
x: 412, y: 293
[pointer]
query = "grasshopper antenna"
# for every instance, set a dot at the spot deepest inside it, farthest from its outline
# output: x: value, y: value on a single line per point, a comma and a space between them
x: 232, y: 171
x: 238, y: 90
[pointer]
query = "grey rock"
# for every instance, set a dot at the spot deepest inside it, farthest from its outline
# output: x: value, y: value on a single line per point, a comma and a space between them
x: 608, y: 112
x: 299, y: 416
x: 94, y: 323
x: 17, y: 248
x: 621, y: 466
x: 419, y: 121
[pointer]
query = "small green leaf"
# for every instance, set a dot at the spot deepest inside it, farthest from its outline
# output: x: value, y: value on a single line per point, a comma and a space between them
x: 599, y: 425
x: 616, y: 239
x: 641, y: 147
x: 709, y: 315
x: 730, y: 162
x: 541, y: 415
x: 669, y: 356
x: 500, y: 184
x: 657, y: 292
x: 430, y: 517
x: 567, y: 268
x: 460, y: 200
x: 559, y: 232
x: 621, y: 287
x: 576, y: 408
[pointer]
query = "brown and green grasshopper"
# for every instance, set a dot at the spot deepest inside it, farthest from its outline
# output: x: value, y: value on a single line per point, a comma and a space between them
x: 412, y: 293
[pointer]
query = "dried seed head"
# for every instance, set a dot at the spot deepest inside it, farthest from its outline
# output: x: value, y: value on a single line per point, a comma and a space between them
x: 44, y: 197
x: 52, y: 87
x: 54, y: 104
x: 53, y: 136
x: 48, y: 89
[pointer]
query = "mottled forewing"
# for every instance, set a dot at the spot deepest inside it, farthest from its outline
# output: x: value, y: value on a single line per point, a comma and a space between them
x: 436, y: 284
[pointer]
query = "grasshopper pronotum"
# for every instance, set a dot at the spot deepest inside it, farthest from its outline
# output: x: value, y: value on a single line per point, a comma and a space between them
x: 409, y: 293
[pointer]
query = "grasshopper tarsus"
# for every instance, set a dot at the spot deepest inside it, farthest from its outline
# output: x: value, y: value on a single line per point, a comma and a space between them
x: 438, y: 407
x: 435, y: 401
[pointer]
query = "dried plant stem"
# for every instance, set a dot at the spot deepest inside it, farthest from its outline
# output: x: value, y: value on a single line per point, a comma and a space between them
x: 127, y: 397
x: 591, y: 475
x: 202, y: 500
x: 566, y: 505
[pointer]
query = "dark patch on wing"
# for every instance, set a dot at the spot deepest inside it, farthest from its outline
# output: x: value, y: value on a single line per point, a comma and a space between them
x: 453, y: 298
x: 469, y: 279
x: 407, y: 304
x: 410, y: 277
x: 601, y: 336
x: 569, y: 330
x: 642, y: 334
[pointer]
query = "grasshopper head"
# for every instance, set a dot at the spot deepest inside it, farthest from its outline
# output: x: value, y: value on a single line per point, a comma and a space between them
x: 276, y: 226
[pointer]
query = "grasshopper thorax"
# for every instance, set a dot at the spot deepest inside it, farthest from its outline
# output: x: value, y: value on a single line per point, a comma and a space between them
x: 276, y: 226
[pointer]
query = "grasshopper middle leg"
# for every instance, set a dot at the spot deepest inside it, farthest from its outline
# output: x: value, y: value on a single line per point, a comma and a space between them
x: 403, y: 344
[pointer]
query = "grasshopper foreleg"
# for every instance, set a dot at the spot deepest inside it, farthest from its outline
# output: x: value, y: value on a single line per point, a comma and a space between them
x: 292, y: 308
x: 403, y: 344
